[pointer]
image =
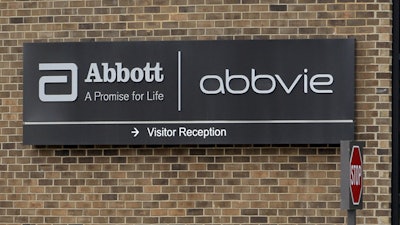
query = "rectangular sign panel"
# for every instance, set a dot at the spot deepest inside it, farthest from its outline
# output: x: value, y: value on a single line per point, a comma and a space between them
x: 189, y: 92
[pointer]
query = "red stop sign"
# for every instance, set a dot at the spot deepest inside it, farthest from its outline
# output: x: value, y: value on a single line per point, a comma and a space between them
x: 356, y: 175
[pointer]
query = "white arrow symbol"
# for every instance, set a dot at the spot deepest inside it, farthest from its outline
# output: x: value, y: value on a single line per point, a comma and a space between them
x: 135, y: 132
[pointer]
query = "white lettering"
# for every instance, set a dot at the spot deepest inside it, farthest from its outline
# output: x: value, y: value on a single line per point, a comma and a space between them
x: 163, y: 132
x: 109, y: 74
x: 88, y: 97
x: 355, y: 175
x: 137, y: 75
x: 153, y: 73
x: 220, y: 88
x: 110, y: 97
x: 122, y: 74
x: 318, y: 83
x: 93, y: 74
x: 203, y: 133
x: 154, y: 96
x: 282, y: 83
x: 137, y: 96
x: 229, y: 78
x: 265, y: 77
x: 305, y: 87
x: 314, y: 83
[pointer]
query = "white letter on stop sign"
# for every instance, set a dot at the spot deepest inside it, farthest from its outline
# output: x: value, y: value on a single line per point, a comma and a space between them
x: 355, y: 175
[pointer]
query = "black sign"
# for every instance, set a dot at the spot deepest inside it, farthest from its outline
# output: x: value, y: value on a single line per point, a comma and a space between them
x: 189, y: 92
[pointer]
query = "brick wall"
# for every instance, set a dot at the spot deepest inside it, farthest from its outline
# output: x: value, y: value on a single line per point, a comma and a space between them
x: 193, y: 184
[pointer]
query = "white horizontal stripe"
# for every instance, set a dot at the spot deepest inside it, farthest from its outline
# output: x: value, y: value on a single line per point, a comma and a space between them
x: 188, y: 122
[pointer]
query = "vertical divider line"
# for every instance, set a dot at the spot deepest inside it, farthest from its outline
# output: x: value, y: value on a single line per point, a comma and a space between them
x: 179, y: 81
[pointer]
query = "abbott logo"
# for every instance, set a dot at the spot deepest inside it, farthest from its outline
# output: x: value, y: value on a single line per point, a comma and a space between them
x: 57, y: 80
